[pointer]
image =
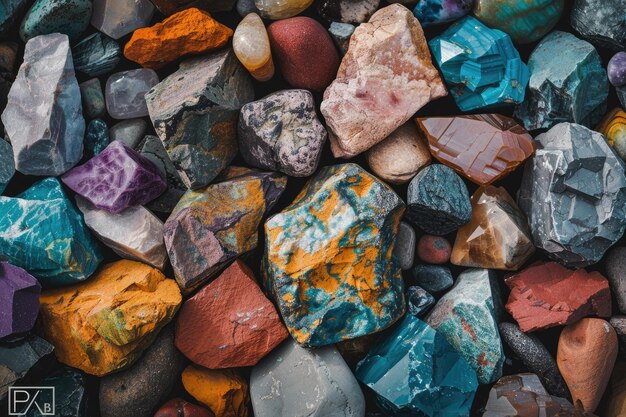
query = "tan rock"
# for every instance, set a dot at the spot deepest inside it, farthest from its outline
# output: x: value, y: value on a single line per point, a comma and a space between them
x: 616, y: 406
x: 586, y: 354
x: 105, y: 323
x: 384, y: 78
x: 399, y: 156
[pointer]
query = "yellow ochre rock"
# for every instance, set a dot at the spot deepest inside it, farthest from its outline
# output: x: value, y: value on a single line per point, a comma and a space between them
x: 224, y: 391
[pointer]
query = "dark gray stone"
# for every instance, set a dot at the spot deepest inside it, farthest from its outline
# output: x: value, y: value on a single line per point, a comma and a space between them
x: 602, y: 22
x: 621, y: 95
x: 130, y: 132
x: 22, y: 359
x: 245, y: 7
x: 419, y: 301
x: 341, y: 34
x: 619, y: 324
x: 433, y: 278
x: 615, y: 266
x: 70, y: 394
x: 405, y: 246
x: 97, y: 54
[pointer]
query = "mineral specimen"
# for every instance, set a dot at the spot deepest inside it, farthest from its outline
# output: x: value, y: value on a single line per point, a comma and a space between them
x: 95, y: 55
x: 133, y: 233
x: 130, y: 132
x: 573, y: 88
x: 418, y: 301
x: 467, y: 316
x: 415, y: 371
x: 281, y: 132
x: 70, y: 394
x: 438, y: 201
x: 96, y: 138
x: 42, y: 232
x: 117, y: 18
x: 194, y: 112
x: 574, y: 194
x: 329, y: 257
x: 116, y: 179
x: 548, y: 294
x: 23, y: 359
x: 616, y: 69
x: 7, y: 164
x: 481, y: 147
x: 341, y: 33
x: 497, y: 235
x: 319, y: 378
x: 252, y: 47
x: 225, y: 392
x: 434, y: 249
x: 480, y: 65
x: 125, y: 93
x: 433, y: 278
x: 180, y: 408
x: 120, y: 310
x: 92, y: 98
x: 211, y: 227
x: 19, y: 300
x: 405, y: 246
x: 347, y: 11
x: 190, y: 31
x: 46, y: 129
x: 69, y: 17
x: 229, y: 323
x: 613, y: 127
x: 430, y: 12
x: 281, y: 9
x: 384, y: 78
x: 169, y: 7
x: 600, y: 21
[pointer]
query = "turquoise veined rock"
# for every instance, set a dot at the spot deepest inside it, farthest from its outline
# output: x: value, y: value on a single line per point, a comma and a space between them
x: 70, y: 17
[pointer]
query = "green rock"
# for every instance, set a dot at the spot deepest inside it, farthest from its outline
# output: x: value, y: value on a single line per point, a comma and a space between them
x: 70, y: 17
x: 93, y: 98
x: 97, y: 54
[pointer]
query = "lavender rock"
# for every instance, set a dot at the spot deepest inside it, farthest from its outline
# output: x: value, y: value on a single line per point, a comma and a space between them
x: 281, y: 132
x: 116, y: 179
x: 617, y: 69
x: 7, y: 164
x: 19, y: 300
x: 46, y: 129
x: 130, y: 132
x: 125, y: 93
x: 117, y: 18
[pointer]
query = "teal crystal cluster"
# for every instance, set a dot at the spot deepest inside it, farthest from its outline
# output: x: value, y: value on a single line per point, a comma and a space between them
x: 414, y: 371
x: 480, y: 65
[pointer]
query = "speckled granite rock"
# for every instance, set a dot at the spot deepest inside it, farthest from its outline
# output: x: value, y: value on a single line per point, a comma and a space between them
x: 69, y: 17
x: 602, y: 22
x: 19, y: 300
x: 7, y: 164
x: 23, y: 360
x: 95, y: 55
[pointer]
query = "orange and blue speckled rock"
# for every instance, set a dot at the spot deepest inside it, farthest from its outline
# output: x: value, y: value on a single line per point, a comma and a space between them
x: 329, y: 258
x: 212, y: 226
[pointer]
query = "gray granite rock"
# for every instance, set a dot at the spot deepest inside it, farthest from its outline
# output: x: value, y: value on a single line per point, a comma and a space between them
x: 194, y: 112
x: 46, y: 128
x: 7, y: 164
x: 602, y: 22
x: 117, y: 18
x: 130, y: 132
x: 405, y: 246
x: 294, y: 381
x: 574, y: 194
x: 615, y: 266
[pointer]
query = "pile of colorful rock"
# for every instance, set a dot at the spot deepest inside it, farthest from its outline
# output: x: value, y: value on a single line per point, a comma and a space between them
x: 313, y: 208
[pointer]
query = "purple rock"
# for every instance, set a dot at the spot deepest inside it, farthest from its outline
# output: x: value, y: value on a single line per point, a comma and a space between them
x: 616, y: 69
x: 19, y: 300
x: 116, y: 179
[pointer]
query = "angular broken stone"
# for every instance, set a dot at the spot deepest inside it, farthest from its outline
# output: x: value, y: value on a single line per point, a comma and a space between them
x: 330, y: 254
x: 384, y: 78
x: 194, y: 112
x: 125, y: 93
x: 133, y: 233
x: 481, y: 147
x: 70, y: 392
x: 548, y: 294
x: 19, y: 300
x: 7, y: 164
x: 497, y: 235
x: 601, y: 22
x: 211, y: 227
x: 574, y: 194
x: 224, y: 392
x: 281, y: 132
x: 116, y: 179
x: 117, y: 18
x: 45, y: 129
x: 467, y: 316
x: 341, y: 33
x: 22, y: 360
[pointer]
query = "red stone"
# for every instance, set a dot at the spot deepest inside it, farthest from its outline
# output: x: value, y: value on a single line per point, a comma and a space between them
x: 229, y: 322
x: 306, y: 55
x: 178, y: 407
x: 548, y: 294
x: 434, y: 249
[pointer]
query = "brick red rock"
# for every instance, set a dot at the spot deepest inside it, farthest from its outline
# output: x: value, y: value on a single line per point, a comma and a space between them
x: 178, y: 407
x: 548, y: 294
x: 434, y: 249
x: 229, y: 322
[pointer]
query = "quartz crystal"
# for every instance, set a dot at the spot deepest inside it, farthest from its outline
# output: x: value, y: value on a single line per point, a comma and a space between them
x: 69, y: 17
x: 496, y: 237
x: 252, y: 47
x: 613, y: 127
x: 125, y: 93
x: 281, y: 9
x: 430, y: 12
x: 117, y: 18
x: 7, y: 164
x: 602, y: 22
x: 480, y: 65
x: 97, y: 54
x: 46, y: 129
x: 482, y: 147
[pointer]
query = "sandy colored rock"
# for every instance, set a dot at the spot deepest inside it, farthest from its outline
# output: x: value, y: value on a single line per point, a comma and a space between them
x: 399, y: 156
x: 225, y: 392
x: 191, y: 31
x: 586, y: 354
x: 104, y: 324
x: 384, y: 78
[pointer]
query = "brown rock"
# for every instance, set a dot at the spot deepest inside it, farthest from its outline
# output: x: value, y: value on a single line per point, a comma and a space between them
x: 616, y: 406
x: 229, y: 322
x: 399, y: 156
x: 384, y: 78
x: 178, y: 407
x: 191, y: 31
x: 548, y: 294
x: 224, y: 391
x: 105, y: 323
x: 585, y: 356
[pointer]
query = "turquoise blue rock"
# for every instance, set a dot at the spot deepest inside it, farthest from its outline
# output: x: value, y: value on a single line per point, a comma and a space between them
x: 573, y: 88
x: 481, y: 66
x: 96, y: 138
x: 414, y: 371
x: 97, y: 54
x: 467, y: 316
x: 10, y: 10
x: 42, y: 232
x: 430, y: 12
x: 7, y: 164
x: 70, y: 17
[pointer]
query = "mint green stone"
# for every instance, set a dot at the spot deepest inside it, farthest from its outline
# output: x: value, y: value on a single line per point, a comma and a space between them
x: 69, y: 17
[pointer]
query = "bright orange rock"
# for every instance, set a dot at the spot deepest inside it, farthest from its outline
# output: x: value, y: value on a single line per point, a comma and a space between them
x: 190, y: 31
x: 224, y: 391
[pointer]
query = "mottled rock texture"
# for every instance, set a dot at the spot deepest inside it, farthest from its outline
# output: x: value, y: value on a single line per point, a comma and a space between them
x: 431, y: 12
x: 602, y: 22
x: 68, y: 17
x: 347, y: 11
x: 7, y: 164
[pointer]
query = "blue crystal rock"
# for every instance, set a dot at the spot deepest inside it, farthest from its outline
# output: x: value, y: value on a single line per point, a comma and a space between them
x: 572, y: 88
x: 430, y: 12
x: 42, y: 232
x: 96, y: 138
x: 97, y: 54
x: 69, y: 17
x: 7, y: 164
x: 480, y: 65
x: 415, y: 372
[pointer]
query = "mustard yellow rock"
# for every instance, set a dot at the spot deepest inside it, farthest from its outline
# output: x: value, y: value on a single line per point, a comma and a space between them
x: 224, y: 391
x: 252, y: 47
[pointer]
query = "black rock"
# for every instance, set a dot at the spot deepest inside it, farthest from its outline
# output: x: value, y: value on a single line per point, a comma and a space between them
x: 432, y: 278
x: 619, y: 324
x: 615, y: 266
x: 602, y: 22
x: 23, y: 360
x: 70, y: 394
x: 419, y: 301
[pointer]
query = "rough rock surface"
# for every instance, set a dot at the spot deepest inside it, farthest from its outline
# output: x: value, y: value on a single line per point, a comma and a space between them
x: 574, y: 179
x: 117, y: 18
x: 225, y: 392
x: 433, y: 278
x: 432, y: 12
x: 95, y: 55
x: 384, y: 78
x: 7, y: 164
x: 615, y: 266
x: 119, y: 310
x: 405, y: 246
x: 69, y: 17
x: 320, y: 379
x: 418, y: 301
x: 601, y: 22
x: 70, y: 392
x: 19, y: 300
x: 619, y: 324
x: 45, y: 129
x: 329, y: 257
x: 347, y: 11
x: 22, y: 359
